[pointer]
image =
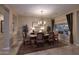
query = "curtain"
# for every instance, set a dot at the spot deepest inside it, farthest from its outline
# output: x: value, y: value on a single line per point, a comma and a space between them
x: 70, y: 24
x: 53, y: 22
x: 1, y: 26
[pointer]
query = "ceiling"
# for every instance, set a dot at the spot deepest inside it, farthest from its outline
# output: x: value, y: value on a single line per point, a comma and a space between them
x: 49, y: 10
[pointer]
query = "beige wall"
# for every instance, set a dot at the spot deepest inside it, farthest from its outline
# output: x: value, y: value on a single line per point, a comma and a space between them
x: 23, y: 20
x: 60, y: 19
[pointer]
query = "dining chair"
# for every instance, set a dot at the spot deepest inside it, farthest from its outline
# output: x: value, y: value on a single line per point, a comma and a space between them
x: 40, y: 39
x: 51, y: 38
x: 26, y: 41
x: 56, y: 37
x: 32, y: 39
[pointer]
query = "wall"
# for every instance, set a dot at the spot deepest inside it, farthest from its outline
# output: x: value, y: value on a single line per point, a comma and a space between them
x: 23, y: 20
x: 60, y: 19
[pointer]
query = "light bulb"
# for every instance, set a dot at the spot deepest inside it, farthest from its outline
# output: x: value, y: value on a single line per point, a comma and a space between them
x: 44, y: 22
x: 33, y: 28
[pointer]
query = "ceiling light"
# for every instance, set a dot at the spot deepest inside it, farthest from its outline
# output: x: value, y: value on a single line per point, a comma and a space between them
x: 45, y: 12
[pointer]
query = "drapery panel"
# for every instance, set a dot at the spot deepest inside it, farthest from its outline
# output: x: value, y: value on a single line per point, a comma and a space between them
x: 53, y: 22
x: 70, y: 25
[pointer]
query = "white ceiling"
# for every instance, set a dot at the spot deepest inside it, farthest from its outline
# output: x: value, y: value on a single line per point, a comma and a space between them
x: 50, y: 10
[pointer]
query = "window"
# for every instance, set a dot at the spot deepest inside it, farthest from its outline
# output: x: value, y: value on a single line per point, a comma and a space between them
x: 63, y: 27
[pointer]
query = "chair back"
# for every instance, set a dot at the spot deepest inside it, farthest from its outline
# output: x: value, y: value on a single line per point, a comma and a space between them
x: 51, y: 35
x: 40, y: 36
x: 56, y: 35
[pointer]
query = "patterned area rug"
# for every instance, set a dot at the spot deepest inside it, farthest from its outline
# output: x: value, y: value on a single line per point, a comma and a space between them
x: 24, y: 49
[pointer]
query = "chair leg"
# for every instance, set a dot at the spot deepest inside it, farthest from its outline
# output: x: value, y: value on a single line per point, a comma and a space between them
x: 51, y: 43
x: 23, y: 42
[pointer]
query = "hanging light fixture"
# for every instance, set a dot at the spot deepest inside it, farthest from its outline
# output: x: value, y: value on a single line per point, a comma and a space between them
x: 41, y: 22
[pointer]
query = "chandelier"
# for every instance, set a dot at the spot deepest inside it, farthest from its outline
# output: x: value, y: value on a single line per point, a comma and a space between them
x: 40, y: 23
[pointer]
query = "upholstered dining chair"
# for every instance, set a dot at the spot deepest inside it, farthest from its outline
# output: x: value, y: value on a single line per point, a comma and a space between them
x: 40, y: 39
x: 56, y: 37
x: 51, y: 38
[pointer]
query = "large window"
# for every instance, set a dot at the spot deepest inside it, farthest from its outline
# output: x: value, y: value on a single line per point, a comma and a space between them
x: 63, y: 27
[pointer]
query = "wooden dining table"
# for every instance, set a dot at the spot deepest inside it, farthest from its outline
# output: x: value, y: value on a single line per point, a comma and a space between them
x: 34, y: 36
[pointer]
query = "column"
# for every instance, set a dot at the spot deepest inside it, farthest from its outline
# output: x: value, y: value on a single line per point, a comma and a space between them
x: 7, y: 29
x: 76, y: 28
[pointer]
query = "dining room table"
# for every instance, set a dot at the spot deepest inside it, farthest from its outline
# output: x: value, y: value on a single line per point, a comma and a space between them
x: 34, y: 36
